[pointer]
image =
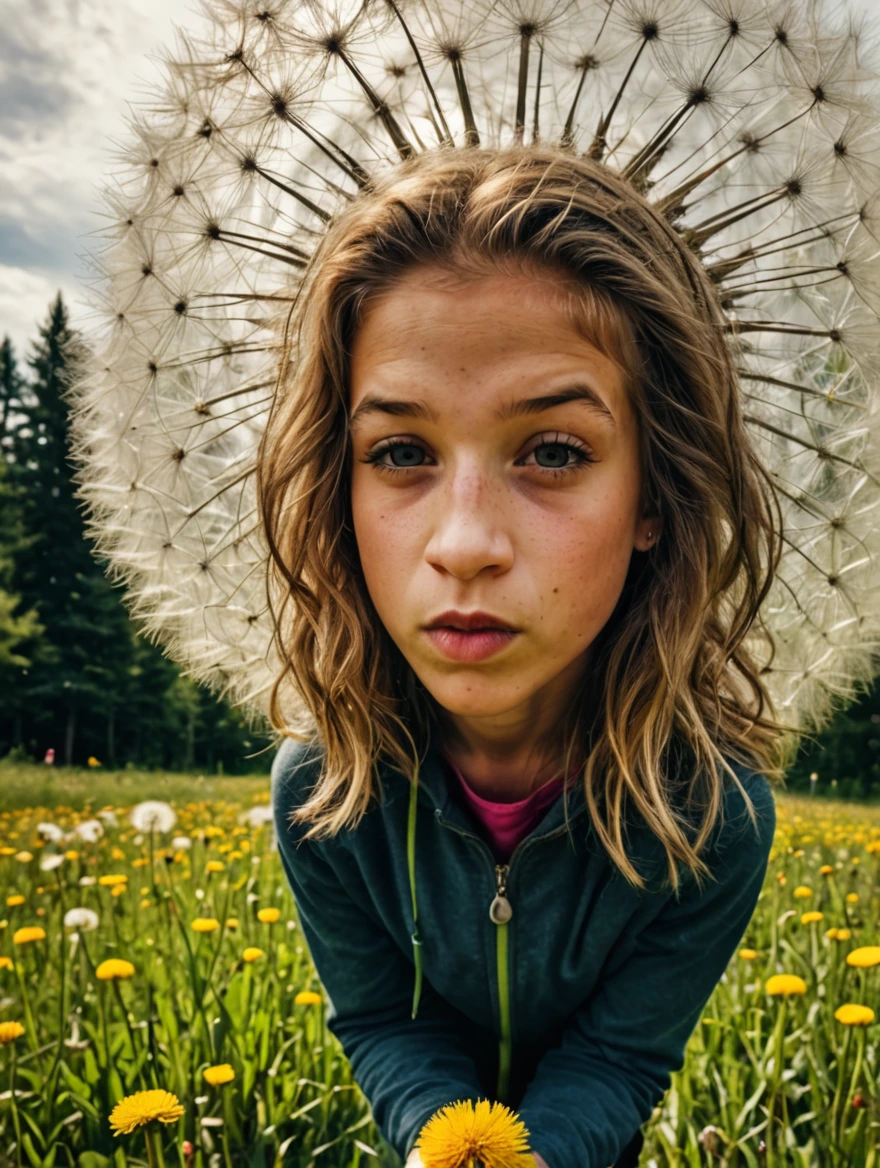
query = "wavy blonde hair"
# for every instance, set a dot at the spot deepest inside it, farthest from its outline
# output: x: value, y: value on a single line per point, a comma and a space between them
x: 671, y: 689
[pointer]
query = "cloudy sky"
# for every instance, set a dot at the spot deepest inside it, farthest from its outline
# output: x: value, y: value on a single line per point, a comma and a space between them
x: 67, y: 69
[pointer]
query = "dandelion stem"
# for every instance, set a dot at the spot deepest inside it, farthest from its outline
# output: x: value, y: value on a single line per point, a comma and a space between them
x: 854, y: 1081
x: 14, y: 1105
x: 841, y: 1075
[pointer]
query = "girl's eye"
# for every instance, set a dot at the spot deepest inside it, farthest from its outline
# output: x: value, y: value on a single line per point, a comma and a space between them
x: 409, y: 451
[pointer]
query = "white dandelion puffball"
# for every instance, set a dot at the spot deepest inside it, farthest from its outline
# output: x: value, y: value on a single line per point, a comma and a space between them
x: 84, y: 919
x: 87, y: 881
x: 51, y: 861
x: 181, y: 842
x: 752, y: 126
x: 51, y: 831
x: 257, y: 816
x: 108, y: 817
x: 89, y: 830
x: 153, y: 815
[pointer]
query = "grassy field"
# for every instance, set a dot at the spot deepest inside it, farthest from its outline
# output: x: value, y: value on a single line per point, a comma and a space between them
x: 185, y: 971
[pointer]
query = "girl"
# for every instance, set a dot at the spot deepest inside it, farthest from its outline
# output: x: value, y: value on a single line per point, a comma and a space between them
x: 514, y: 508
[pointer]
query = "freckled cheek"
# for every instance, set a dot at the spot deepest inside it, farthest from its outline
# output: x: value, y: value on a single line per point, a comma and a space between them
x: 581, y: 567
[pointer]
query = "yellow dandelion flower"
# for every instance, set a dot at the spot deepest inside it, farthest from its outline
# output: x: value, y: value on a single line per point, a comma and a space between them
x: 232, y: 922
x: 786, y: 983
x: 9, y: 1031
x: 6, y: 963
x: 865, y: 957
x: 28, y: 933
x: 852, y: 898
x: 145, y: 903
x: 119, y: 890
x: 783, y: 880
x: 252, y: 953
x: 205, y: 924
x: 12, y: 901
x: 140, y: 862
x: 808, y: 918
x: 112, y: 880
x: 802, y: 891
x: 826, y: 870
x: 307, y: 998
x: 24, y: 857
x: 145, y: 891
x: 7, y: 851
x: 844, y: 934
x: 854, y: 1015
x: 748, y: 954
x: 268, y: 915
x: 117, y: 854
x: 217, y: 1076
x: 463, y: 1133
x: 92, y: 761
x: 214, y: 866
x: 114, y: 967
x: 236, y: 854
x: 73, y: 854
x: 143, y: 1107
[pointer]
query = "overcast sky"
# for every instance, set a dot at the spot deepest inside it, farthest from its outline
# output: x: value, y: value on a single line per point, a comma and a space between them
x: 67, y: 69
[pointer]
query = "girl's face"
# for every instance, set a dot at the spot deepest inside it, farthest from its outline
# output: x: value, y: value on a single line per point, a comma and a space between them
x: 466, y: 497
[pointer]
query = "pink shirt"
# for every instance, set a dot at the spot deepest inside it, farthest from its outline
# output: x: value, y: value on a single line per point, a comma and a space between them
x: 507, y: 823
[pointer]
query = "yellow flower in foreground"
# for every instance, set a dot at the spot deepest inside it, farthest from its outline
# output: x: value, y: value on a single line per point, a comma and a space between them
x: 205, y: 924
x: 268, y: 915
x: 462, y: 1133
x: 214, y: 866
x: 114, y: 967
x: 113, y: 880
x: 307, y: 998
x: 9, y: 1031
x: 12, y: 901
x: 748, y: 954
x: 252, y: 953
x: 786, y: 983
x: 217, y: 1076
x: 865, y: 957
x: 142, y: 1107
x: 809, y: 917
x: 35, y: 933
x: 6, y: 963
x: 854, y: 1015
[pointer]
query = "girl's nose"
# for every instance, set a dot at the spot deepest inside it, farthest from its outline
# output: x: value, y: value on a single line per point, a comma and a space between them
x: 469, y: 524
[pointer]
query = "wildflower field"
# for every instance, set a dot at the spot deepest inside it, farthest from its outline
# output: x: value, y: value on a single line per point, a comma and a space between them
x: 158, y: 1005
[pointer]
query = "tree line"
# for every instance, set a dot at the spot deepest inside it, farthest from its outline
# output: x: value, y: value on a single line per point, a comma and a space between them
x: 76, y: 676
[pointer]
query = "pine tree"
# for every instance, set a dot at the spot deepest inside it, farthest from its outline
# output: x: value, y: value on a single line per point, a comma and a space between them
x: 12, y: 390
x: 73, y: 682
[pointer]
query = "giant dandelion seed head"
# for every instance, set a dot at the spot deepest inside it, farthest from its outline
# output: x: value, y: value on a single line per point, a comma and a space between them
x: 749, y: 128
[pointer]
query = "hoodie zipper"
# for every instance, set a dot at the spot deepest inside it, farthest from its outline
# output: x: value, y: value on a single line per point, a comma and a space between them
x: 500, y: 913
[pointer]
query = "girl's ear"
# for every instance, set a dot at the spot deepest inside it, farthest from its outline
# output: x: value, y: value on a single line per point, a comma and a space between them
x: 648, y: 532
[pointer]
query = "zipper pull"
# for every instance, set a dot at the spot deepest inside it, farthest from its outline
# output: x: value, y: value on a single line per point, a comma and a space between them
x: 501, y: 910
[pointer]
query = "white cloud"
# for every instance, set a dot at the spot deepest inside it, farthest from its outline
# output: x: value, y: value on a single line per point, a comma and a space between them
x: 68, y: 68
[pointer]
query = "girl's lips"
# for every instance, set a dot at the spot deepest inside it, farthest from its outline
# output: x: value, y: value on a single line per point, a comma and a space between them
x: 476, y: 645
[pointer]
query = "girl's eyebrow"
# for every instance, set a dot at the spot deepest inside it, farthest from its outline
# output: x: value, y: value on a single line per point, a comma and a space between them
x: 581, y: 392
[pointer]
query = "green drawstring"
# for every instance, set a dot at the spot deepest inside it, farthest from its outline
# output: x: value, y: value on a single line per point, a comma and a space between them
x: 411, y: 859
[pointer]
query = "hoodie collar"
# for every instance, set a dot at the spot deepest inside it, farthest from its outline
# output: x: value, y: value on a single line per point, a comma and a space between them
x: 435, y: 790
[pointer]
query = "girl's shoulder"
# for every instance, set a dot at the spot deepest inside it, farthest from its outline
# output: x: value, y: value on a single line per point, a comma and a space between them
x: 296, y: 769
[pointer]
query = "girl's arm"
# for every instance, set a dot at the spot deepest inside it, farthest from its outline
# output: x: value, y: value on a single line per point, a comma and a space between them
x: 592, y: 1092
x: 407, y: 1068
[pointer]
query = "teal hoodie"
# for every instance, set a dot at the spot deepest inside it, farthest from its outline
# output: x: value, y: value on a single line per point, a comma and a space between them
x: 548, y: 983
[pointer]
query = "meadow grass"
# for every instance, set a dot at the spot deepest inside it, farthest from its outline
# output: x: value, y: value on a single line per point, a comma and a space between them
x: 196, y: 980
